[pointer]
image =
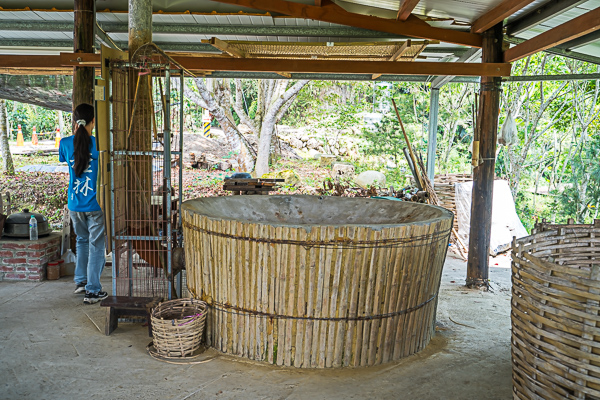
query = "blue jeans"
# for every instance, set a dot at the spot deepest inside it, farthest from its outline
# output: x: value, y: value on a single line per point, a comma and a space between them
x: 89, y: 228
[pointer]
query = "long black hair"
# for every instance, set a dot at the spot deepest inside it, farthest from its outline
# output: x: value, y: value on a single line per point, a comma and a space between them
x: 83, y: 115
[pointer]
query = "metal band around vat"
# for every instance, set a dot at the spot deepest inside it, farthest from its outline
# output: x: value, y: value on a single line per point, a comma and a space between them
x: 340, y: 243
x: 242, y: 311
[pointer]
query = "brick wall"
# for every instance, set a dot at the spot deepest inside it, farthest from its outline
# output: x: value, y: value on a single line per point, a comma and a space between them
x: 26, y: 260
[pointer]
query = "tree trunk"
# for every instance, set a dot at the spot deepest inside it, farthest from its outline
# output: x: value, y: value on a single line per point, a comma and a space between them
x: 237, y: 145
x: 7, y: 163
x: 264, y: 146
x: 83, y: 42
x: 277, y: 102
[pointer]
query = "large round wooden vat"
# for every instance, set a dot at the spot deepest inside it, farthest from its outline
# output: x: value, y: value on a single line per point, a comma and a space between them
x: 310, y: 281
x: 556, y: 313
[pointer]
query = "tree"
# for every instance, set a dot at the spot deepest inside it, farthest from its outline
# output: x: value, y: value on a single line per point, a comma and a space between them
x: 456, y: 122
x: 532, y: 104
x: 7, y: 163
x: 584, y: 152
x: 274, y: 97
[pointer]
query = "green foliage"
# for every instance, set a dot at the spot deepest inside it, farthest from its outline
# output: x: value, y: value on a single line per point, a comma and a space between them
x: 386, y: 140
x: 29, y: 116
x: 575, y: 202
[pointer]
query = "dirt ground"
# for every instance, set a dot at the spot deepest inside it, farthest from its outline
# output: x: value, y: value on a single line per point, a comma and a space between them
x: 53, y: 347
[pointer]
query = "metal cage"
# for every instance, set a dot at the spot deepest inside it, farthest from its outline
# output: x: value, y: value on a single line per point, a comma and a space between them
x: 146, y: 138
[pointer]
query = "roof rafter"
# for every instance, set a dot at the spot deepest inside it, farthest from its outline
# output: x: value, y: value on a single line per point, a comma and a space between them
x: 468, y: 57
x: 405, y: 46
x: 498, y: 14
x: 581, y: 41
x: 540, y: 15
x: 406, y: 9
x: 577, y: 27
x: 334, y: 14
x: 225, y: 47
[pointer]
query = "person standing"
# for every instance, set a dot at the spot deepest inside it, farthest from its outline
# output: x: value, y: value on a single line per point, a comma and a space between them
x: 79, y: 151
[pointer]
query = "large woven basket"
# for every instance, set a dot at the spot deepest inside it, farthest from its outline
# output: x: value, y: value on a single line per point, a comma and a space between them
x: 178, y: 326
x: 555, y: 313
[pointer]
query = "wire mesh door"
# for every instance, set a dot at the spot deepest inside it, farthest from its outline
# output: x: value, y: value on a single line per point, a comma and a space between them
x: 146, y: 176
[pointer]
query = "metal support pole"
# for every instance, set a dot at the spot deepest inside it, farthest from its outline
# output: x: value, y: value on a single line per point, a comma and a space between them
x: 115, y: 271
x: 434, y: 105
x: 167, y: 178
x: 180, y: 186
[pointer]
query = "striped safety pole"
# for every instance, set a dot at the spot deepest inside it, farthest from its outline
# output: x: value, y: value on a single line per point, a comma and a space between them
x: 206, y: 117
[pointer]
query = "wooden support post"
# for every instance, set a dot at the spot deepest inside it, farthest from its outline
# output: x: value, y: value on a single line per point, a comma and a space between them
x: 140, y: 135
x: 483, y: 174
x: 83, y: 42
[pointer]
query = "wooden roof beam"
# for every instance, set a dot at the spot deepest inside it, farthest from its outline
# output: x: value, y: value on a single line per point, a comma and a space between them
x: 337, y: 15
x: 573, y: 29
x: 540, y: 15
x: 406, y: 9
x: 498, y: 14
x: 276, y: 65
x: 344, y: 67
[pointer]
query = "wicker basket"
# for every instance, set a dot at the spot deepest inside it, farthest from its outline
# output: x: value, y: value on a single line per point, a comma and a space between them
x: 555, y: 313
x: 178, y: 326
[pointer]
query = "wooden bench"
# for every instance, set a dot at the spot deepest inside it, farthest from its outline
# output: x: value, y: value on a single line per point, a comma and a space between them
x: 118, y: 306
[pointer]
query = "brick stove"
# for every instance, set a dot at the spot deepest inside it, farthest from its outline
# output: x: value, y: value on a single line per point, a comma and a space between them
x: 26, y: 260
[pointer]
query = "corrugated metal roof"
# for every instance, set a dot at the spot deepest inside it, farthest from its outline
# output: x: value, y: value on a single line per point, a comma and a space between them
x: 449, y: 14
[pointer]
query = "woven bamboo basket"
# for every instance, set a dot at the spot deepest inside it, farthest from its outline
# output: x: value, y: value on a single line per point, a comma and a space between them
x: 555, y: 313
x: 444, y: 188
x: 178, y: 326
x: 316, y: 282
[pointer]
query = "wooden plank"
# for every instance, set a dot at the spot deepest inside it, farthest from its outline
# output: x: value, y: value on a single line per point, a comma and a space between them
x: 406, y: 9
x: 249, y: 188
x: 111, y: 322
x: 498, y: 14
x: 257, y: 180
x: 225, y: 47
x: 577, y: 27
x: 337, y: 15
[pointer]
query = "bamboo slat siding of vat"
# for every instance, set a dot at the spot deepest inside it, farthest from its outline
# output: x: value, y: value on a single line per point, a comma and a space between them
x: 555, y: 313
x: 314, y: 306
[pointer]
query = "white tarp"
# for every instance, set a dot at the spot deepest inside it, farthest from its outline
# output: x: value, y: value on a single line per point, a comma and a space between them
x: 505, y: 221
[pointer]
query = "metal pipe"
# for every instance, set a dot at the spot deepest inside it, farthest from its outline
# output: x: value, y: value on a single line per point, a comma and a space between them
x: 112, y: 183
x: 167, y: 177
x: 180, y: 222
x: 434, y: 104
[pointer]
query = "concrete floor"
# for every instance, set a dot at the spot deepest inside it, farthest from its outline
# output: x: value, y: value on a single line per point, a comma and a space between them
x: 52, y: 346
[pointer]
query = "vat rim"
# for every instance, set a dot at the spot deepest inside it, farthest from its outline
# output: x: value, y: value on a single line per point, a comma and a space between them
x: 449, y: 215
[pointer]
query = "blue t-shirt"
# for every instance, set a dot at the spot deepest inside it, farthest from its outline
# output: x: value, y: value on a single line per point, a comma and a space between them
x: 82, y: 189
